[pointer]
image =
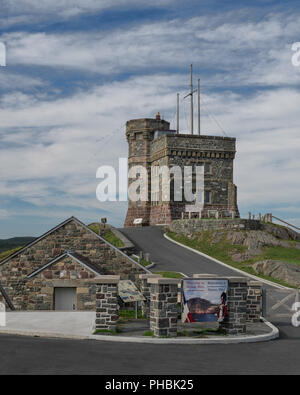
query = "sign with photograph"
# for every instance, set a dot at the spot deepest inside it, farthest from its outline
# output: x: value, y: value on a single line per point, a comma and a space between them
x: 204, y: 300
x: 128, y: 292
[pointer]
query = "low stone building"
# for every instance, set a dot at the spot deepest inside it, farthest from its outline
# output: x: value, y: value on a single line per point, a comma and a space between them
x: 56, y: 271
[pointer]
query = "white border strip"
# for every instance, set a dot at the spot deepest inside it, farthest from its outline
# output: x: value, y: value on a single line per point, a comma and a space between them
x: 228, y: 266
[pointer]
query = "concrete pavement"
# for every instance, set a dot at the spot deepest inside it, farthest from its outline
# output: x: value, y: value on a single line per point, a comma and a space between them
x: 50, y: 323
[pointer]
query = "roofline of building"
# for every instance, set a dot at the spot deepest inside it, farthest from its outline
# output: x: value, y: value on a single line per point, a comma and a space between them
x: 60, y: 226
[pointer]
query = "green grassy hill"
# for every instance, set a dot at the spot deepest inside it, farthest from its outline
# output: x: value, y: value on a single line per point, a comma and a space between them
x: 242, y: 249
x: 15, y: 242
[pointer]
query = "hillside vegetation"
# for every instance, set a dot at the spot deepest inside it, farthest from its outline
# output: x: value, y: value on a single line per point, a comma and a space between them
x: 244, y: 249
x: 14, y: 242
x: 7, y: 253
x: 107, y: 234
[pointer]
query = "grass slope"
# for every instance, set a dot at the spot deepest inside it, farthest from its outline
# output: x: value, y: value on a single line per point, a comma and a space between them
x: 223, y: 248
x: 7, y: 253
x: 107, y: 235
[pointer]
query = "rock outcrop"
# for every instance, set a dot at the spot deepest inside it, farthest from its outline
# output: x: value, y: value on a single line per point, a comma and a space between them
x: 257, y: 240
x: 282, y: 232
x: 287, y: 272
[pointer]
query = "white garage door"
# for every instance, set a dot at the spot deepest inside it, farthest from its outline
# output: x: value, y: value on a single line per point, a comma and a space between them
x: 65, y: 299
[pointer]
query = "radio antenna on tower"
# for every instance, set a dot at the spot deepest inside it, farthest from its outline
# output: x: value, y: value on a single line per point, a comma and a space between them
x: 177, y: 127
x: 192, y: 100
x: 199, y: 109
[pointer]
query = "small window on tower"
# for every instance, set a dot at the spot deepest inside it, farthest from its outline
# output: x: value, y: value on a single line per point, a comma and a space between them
x: 207, y: 168
x: 207, y: 197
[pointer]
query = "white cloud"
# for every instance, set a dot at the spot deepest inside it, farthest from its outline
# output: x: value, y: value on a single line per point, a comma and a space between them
x: 29, y: 11
x: 50, y: 150
x: 240, y: 54
x: 9, y: 80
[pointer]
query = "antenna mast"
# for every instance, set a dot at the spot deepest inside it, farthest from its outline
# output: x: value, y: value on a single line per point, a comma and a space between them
x: 177, y: 128
x: 192, y: 101
x: 199, y: 109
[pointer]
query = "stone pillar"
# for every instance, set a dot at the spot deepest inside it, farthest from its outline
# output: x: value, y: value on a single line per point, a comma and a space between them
x: 163, y: 306
x: 235, y: 320
x: 145, y: 289
x: 107, y: 302
x: 254, y: 301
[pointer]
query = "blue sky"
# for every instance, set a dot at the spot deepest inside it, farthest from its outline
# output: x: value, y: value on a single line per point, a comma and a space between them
x: 77, y: 70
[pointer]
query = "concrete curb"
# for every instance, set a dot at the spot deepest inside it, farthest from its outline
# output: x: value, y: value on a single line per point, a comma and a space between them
x: 274, y: 334
x: 228, y: 266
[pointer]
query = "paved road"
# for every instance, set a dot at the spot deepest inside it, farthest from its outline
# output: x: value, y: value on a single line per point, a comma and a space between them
x: 20, y: 355
x: 169, y: 256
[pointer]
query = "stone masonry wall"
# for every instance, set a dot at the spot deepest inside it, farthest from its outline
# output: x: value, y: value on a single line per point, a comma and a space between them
x: 188, y: 226
x: 163, y: 307
x: 71, y: 236
x: 145, y: 289
x: 38, y: 292
x: 107, y: 304
x: 181, y: 150
x: 235, y: 320
x: 254, y: 301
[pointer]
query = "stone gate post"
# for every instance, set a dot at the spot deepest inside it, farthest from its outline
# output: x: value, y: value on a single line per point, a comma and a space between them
x: 163, y: 306
x: 145, y: 289
x: 235, y: 321
x: 107, y: 302
x: 254, y: 301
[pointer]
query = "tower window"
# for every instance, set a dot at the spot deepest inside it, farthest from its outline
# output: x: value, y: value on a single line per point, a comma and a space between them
x: 207, y: 197
x: 207, y: 168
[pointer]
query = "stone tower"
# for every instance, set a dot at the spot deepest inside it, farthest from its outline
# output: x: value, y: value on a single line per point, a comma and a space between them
x: 152, y: 143
x: 140, y: 134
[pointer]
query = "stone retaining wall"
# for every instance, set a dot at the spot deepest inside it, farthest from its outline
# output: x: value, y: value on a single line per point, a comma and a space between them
x: 190, y: 226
